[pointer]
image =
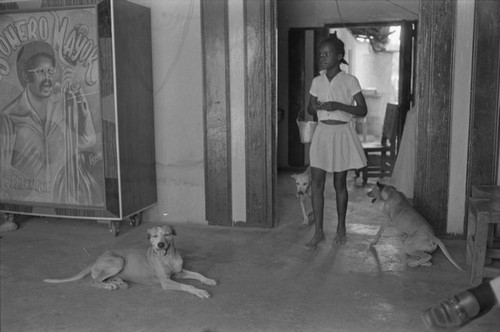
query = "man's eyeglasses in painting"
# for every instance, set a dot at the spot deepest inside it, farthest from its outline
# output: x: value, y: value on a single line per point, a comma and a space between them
x: 44, y: 71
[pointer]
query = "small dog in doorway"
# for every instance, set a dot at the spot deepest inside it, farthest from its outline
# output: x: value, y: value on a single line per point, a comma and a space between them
x: 303, y: 187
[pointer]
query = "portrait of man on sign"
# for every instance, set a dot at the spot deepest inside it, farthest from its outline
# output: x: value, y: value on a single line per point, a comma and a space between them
x: 49, y: 134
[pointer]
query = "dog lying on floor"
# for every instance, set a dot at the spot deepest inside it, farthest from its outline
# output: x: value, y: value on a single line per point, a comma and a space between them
x: 419, y: 239
x: 153, y: 266
x: 303, y: 187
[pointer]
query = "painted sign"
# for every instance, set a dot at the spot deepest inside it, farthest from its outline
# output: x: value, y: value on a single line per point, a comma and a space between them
x: 51, y: 149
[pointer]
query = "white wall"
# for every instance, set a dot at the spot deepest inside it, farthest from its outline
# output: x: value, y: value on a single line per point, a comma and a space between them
x: 460, y: 115
x: 237, y: 114
x: 178, y: 103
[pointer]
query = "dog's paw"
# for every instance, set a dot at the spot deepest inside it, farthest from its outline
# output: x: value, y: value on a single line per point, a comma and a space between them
x: 110, y: 286
x: 306, y: 224
x: 209, y: 282
x: 201, y: 293
x: 119, y: 283
x: 412, y: 263
x: 417, y: 262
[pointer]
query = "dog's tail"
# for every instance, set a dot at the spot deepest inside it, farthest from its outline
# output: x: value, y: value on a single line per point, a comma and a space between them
x: 76, y: 277
x: 447, y: 254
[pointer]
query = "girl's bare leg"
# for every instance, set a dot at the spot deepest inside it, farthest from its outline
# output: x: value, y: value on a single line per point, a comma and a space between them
x: 342, y: 196
x: 318, y: 201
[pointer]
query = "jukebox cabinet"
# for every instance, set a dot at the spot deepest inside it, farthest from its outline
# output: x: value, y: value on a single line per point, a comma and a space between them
x: 76, y: 111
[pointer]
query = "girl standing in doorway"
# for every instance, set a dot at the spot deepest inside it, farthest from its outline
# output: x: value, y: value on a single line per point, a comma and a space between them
x: 335, y: 97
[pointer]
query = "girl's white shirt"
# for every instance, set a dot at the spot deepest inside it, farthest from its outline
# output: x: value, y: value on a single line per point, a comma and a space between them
x: 341, y: 88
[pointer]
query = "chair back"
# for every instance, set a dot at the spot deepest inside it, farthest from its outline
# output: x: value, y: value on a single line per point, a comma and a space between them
x: 389, y: 130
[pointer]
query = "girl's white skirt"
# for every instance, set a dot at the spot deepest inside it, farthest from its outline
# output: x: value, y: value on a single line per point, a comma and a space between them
x: 336, y: 148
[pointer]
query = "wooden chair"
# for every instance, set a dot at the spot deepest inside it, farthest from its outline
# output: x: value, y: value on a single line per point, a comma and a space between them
x: 483, y: 238
x: 382, y: 155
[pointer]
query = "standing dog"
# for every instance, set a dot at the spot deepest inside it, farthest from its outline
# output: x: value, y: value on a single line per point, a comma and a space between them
x: 419, y: 239
x: 303, y: 186
x: 153, y: 266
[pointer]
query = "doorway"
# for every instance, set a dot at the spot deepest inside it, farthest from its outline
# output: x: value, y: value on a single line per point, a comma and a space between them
x: 380, y: 55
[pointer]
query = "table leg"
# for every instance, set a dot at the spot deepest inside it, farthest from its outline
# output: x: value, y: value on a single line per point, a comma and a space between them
x: 479, y: 250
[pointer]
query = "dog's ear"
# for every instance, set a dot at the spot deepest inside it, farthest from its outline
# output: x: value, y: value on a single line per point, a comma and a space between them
x: 294, y: 176
x: 373, y: 193
x: 380, y: 185
x: 387, y: 191
x: 169, y: 229
x: 150, y: 232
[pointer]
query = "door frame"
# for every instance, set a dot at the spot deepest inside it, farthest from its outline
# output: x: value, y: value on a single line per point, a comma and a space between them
x: 260, y: 113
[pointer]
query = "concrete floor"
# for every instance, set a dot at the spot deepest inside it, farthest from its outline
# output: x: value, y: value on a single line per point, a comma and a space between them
x: 267, y: 280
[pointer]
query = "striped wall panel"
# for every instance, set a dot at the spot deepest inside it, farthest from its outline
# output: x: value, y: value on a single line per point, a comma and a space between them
x: 216, y: 112
x: 240, y: 133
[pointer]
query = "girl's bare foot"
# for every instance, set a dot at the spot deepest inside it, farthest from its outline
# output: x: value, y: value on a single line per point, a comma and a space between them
x: 317, y: 239
x: 340, y: 238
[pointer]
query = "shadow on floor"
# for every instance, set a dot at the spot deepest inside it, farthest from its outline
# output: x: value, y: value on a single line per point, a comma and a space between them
x: 267, y: 280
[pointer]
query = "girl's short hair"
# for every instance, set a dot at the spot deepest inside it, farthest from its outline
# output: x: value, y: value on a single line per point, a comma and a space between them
x: 338, y: 44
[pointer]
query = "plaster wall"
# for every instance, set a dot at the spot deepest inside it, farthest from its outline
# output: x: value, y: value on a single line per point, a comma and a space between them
x: 237, y: 113
x: 460, y: 116
x: 178, y: 103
